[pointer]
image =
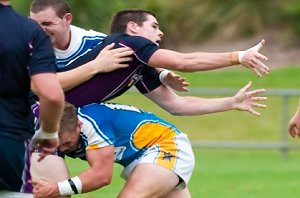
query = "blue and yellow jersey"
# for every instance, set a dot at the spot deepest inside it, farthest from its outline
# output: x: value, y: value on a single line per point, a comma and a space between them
x: 129, y: 129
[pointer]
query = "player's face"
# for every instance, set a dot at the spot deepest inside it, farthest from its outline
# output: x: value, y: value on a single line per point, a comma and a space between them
x: 69, y: 141
x: 57, y: 28
x: 150, y: 30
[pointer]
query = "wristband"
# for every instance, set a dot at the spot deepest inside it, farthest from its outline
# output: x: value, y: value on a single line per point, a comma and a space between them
x: 163, y: 74
x: 70, y: 186
x: 46, y: 135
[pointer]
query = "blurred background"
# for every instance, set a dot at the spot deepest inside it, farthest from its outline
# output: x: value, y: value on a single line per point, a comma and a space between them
x: 237, y: 154
x: 210, y: 25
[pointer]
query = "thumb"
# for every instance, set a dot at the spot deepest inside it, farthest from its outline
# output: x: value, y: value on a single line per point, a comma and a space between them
x: 110, y: 46
x: 258, y: 46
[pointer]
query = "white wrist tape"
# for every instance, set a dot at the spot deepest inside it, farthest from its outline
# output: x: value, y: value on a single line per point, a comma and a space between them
x: 163, y: 74
x: 70, y: 186
x: 241, y: 54
x: 46, y: 135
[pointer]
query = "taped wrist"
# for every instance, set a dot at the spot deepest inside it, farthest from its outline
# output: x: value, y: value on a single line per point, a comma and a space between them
x: 46, y: 135
x: 162, y: 75
x: 70, y: 186
x: 234, y: 59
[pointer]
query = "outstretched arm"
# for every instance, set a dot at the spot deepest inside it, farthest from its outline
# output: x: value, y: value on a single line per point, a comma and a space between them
x: 109, y: 59
x: 99, y: 174
x: 201, y: 61
x: 244, y: 100
x: 294, y: 124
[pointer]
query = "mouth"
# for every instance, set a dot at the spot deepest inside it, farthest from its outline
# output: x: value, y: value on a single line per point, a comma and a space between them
x: 158, y: 42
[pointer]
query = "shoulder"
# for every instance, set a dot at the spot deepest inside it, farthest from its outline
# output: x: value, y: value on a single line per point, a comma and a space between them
x: 78, y: 30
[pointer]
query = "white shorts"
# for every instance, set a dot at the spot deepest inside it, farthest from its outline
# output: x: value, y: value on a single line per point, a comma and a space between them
x: 175, y: 154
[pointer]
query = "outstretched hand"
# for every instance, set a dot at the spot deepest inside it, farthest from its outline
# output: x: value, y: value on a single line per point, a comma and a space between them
x: 110, y: 59
x: 174, y: 81
x: 252, y: 59
x: 245, y: 100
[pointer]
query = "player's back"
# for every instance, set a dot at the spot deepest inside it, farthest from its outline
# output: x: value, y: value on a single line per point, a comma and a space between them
x: 20, y: 38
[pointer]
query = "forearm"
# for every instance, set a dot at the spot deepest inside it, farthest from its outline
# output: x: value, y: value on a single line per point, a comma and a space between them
x: 51, y: 98
x: 187, y: 106
x: 191, y: 62
x: 50, y: 113
x: 92, y: 180
x: 72, y: 78
x: 200, y: 61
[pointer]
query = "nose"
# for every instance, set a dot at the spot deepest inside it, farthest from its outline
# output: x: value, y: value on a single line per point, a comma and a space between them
x: 160, y: 34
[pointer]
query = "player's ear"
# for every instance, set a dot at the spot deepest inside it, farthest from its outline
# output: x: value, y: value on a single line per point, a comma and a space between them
x: 68, y: 18
x: 132, y: 27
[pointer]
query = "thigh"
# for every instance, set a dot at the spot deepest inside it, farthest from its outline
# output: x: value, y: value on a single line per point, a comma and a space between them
x: 179, y: 193
x: 149, y: 180
x: 51, y: 168
x: 12, y: 163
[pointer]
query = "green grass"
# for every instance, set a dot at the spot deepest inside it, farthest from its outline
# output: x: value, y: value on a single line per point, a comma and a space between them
x: 225, y: 173
x: 287, y: 77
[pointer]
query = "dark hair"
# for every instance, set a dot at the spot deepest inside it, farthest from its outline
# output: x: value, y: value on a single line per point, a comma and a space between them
x: 61, y: 7
x: 120, y: 19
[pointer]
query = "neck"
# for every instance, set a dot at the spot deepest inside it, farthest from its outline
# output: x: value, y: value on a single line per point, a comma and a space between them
x: 5, y: 2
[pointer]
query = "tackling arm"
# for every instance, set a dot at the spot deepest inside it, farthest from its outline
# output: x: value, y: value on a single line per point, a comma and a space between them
x: 98, y: 175
x: 107, y: 60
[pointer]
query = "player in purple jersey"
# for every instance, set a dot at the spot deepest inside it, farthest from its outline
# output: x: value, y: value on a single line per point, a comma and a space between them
x: 26, y: 61
x: 147, y: 53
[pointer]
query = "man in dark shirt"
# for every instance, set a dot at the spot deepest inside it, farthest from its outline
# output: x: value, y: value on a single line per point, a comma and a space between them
x: 26, y: 61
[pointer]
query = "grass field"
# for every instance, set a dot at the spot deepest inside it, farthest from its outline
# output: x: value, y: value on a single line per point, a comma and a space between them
x: 228, y: 173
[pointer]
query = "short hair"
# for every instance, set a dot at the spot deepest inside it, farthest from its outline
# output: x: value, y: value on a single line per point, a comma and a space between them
x: 69, y: 119
x: 61, y: 7
x: 120, y: 19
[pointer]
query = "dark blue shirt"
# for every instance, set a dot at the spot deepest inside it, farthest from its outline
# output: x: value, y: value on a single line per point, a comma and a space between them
x: 106, y: 86
x: 25, y: 50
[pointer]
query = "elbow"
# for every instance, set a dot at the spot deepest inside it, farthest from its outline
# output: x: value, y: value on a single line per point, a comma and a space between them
x: 174, y: 111
x: 105, y: 181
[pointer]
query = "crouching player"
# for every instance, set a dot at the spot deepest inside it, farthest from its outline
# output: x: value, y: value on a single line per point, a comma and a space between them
x: 155, y: 155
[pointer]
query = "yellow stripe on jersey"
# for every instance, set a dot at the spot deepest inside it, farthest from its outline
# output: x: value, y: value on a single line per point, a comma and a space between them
x: 92, y: 147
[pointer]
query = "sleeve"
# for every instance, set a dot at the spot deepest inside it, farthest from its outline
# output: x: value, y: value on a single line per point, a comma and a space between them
x: 149, y: 81
x: 42, y: 58
x: 142, y: 47
x: 96, y: 128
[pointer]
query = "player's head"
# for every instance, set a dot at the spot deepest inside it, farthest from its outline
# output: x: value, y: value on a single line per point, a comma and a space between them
x: 55, y: 18
x: 69, y: 130
x: 138, y: 23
